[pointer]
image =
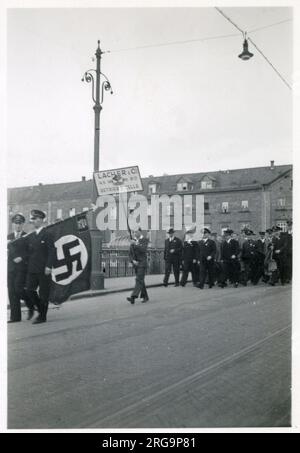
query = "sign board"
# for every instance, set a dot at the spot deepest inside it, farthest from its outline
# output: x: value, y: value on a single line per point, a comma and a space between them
x: 110, y: 182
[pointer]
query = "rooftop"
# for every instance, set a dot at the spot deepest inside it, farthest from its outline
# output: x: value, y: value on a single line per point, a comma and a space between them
x: 223, y: 179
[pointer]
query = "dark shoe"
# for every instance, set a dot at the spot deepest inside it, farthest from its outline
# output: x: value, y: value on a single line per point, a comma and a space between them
x: 176, y: 284
x: 38, y: 320
x: 165, y: 285
x: 13, y: 320
x: 131, y: 299
x: 200, y: 286
x: 145, y: 299
x: 30, y: 314
x: 211, y: 286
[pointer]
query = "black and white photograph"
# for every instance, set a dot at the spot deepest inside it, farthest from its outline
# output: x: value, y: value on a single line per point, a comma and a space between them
x: 149, y: 197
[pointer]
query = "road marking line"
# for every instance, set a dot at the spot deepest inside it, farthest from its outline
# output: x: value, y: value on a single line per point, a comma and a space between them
x: 188, y: 379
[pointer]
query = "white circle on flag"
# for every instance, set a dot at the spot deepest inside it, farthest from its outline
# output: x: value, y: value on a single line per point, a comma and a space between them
x: 73, y: 257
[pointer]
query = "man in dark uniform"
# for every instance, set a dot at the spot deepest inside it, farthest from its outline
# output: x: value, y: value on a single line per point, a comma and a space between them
x: 41, y: 252
x: 280, y: 253
x: 172, y: 257
x: 247, y: 256
x: 259, y: 271
x: 16, y: 270
x: 138, y: 257
x: 289, y: 251
x: 229, y: 255
x: 189, y: 258
x: 206, y: 259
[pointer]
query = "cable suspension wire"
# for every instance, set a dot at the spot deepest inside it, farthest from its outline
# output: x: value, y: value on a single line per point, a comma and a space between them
x: 229, y: 20
x: 271, y: 64
x: 269, y: 26
x: 208, y: 38
x: 172, y: 43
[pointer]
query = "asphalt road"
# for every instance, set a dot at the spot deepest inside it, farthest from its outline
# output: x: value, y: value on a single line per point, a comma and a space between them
x: 187, y: 358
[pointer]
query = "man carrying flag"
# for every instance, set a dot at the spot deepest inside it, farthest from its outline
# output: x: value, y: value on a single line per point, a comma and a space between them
x: 41, y: 252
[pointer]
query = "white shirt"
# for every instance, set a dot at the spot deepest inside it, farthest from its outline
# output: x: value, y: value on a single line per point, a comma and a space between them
x: 38, y: 230
x: 18, y: 234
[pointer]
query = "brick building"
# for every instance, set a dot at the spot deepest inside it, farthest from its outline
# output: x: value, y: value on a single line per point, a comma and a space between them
x: 257, y: 197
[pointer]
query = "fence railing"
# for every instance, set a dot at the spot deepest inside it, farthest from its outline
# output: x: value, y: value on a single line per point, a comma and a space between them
x: 115, y: 263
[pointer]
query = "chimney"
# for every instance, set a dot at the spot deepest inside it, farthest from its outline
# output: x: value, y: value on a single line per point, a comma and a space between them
x: 272, y: 164
x: 83, y: 178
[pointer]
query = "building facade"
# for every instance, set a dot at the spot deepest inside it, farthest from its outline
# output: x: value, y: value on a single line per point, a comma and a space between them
x: 255, y: 197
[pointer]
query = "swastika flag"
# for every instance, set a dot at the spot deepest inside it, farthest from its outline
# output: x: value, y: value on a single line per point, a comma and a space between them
x: 72, y: 263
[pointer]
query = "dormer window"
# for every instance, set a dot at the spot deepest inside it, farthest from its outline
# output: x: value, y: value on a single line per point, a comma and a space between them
x: 184, y: 185
x: 207, y: 182
x: 152, y: 188
x: 181, y: 186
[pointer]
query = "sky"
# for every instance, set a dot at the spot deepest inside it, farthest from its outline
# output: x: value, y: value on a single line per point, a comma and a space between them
x: 179, y: 108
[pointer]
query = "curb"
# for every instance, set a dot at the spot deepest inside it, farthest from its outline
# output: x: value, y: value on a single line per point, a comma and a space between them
x: 102, y: 292
x: 105, y: 292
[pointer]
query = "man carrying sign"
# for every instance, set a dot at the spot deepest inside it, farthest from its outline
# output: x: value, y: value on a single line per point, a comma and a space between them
x: 138, y: 257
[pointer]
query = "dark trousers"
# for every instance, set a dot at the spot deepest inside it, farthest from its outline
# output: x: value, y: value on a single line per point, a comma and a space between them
x: 188, y: 267
x: 232, y: 271
x: 281, y: 266
x: 219, y: 273
x: 207, y: 268
x: 16, y: 292
x: 289, y: 267
x: 39, y: 299
x: 247, y: 272
x: 175, y: 265
x: 258, y: 270
x: 140, y: 287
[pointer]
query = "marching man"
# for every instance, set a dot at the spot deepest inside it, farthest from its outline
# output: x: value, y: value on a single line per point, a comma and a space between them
x: 16, y: 269
x: 138, y: 257
x: 41, y: 251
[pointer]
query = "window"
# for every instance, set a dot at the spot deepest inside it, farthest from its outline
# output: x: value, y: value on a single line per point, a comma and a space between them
x: 188, y: 209
x: 59, y: 214
x: 223, y: 228
x: 72, y: 212
x: 225, y: 206
x: 245, y: 204
x: 152, y: 188
x: 206, y: 206
x: 170, y: 209
x: 245, y: 225
x: 181, y: 186
x: 281, y: 202
x: 282, y: 224
x: 85, y: 209
x: 113, y: 212
x: 206, y: 184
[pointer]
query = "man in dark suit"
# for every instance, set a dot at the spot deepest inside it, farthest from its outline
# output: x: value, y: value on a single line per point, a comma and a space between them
x: 280, y: 252
x: 41, y: 252
x: 229, y: 255
x: 259, y: 271
x: 138, y: 257
x: 16, y: 269
x: 189, y: 257
x: 206, y: 259
x: 289, y: 251
x: 248, y: 255
x: 172, y: 257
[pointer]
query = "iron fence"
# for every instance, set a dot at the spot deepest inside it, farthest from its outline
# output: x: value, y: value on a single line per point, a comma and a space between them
x: 115, y: 262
